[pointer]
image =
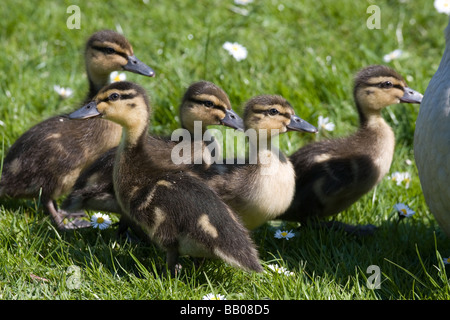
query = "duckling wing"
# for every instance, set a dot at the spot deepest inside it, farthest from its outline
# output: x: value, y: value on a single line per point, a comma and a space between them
x: 180, y: 211
x: 94, y: 188
x: 328, y: 180
x: 232, y: 182
x: 49, y: 156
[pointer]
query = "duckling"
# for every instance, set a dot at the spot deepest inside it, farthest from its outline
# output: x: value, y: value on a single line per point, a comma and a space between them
x: 333, y: 174
x: 202, y: 102
x: 47, y: 159
x: 262, y: 188
x: 178, y: 212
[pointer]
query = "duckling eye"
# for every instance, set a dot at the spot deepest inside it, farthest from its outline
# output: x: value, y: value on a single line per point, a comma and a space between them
x: 109, y: 50
x: 273, y: 112
x: 386, y: 85
x: 114, y: 96
x: 208, y: 104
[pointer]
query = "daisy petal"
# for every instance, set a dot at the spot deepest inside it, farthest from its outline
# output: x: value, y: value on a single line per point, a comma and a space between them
x: 100, y: 221
x: 279, y: 234
x: 236, y: 50
x: 442, y: 6
x: 403, y: 210
x: 212, y: 296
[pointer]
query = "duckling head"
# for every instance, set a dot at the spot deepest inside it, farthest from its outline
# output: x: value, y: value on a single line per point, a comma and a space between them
x: 377, y: 87
x: 107, y: 51
x: 123, y: 102
x: 274, y: 114
x: 206, y: 102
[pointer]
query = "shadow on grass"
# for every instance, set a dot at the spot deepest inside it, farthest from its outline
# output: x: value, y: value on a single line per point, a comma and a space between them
x: 406, y: 252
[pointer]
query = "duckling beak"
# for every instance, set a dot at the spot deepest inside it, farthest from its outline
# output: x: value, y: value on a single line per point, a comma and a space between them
x: 87, y: 111
x: 298, y: 124
x: 137, y: 66
x: 232, y: 120
x: 411, y: 96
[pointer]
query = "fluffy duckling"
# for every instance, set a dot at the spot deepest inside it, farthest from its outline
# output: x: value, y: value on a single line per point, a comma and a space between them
x: 333, y: 174
x: 47, y: 159
x: 203, y: 102
x: 263, y: 187
x: 178, y: 212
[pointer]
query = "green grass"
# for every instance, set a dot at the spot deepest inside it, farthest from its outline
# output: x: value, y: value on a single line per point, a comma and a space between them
x: 306, y: 51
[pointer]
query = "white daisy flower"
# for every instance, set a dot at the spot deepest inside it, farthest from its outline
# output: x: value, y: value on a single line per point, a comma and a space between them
x: 240, y: 10
x: 403, y: 210
x: 284, y: 234
x: 325, y: 124
x: 281, y: 270
x: 212, y: 296
x: 238, y: 51
x: 442, y: 6
x: 116, y: 76
x: 64, y: 93
x: 397, y: 53
x: 101, y: 221
x: 243, y: 2
x: 401, y: 178
x: 446, y: 260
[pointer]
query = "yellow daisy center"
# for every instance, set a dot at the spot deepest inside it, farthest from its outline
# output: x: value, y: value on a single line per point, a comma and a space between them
x: 448, y: 259
x: 117, y: 78
x: 100, y: 220
x: 403, y: 210
x: 284, y: 233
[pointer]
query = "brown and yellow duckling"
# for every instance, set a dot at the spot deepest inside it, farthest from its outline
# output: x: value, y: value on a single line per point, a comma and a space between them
x: 47, y: 159
x: 261, y: 189
x: 203, y: 102
x: 177, y: 211
x: 333, y: 174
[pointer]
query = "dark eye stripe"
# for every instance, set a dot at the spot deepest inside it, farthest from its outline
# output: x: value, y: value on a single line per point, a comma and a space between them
x: 105, y: 50
x: 202, y: 102
x: 128, y: 96
x: 122, y: 97
x: 266, y: 111
x: 398, y: 86
x: 260, y: 111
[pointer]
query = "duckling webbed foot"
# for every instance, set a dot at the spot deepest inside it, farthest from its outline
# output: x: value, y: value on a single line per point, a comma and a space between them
x: 64, y: 220
x: 172, y: 261
x: 74, y: 222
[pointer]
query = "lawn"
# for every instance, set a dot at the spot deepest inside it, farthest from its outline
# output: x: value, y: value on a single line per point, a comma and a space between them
x: 307, y: 51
